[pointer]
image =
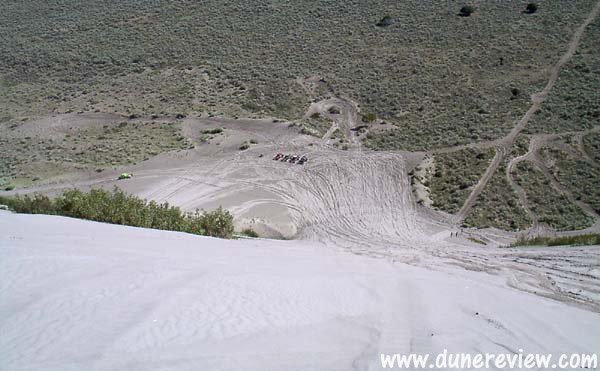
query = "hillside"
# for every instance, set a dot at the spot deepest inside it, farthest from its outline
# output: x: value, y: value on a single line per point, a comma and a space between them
x: 416, y: 75
x: 388, y: 176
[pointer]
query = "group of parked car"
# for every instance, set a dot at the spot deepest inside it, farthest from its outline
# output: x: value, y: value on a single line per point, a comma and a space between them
x: 293, y: 159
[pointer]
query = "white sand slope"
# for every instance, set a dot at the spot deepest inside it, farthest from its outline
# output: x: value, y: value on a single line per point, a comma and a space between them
x: 78, y: 295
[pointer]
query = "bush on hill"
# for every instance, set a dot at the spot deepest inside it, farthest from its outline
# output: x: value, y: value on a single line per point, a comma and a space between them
x: 385, y: 21
x: 250, y: 233
x: 531, y: 8
x: 119, y: 208
x: 581, y: 240
x: 466, y: 10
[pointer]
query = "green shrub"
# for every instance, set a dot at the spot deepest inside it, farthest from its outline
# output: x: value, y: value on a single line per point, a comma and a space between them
x: 531, y: 8
x: 581, y: 240
x: 38, y: 204
x: 218, y: 223
x: 369, y: 117
x: 212, y: 131
x: 466, y: 10
x: 119, y: 208
x: 250, y: 232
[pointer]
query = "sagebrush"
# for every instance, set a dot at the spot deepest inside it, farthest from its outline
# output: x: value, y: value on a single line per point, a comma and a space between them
x: 581, y: 240
x: 117, y: 207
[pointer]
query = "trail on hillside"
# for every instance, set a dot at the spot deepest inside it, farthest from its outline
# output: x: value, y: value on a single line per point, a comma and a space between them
x: 536, y: 143
x: 537, y: 99
x: 345, y: 120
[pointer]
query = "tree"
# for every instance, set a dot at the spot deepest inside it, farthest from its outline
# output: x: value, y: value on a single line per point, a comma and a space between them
x: 531, y: 8
x: 466, y: 10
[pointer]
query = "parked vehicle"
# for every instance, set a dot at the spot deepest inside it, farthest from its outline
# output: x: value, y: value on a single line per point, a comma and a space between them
x: 303, y: 160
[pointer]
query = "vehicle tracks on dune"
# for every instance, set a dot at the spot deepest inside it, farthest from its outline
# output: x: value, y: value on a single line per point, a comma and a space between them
x: 360, y: 201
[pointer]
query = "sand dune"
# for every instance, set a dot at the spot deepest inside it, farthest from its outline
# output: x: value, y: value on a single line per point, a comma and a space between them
x: 81, y: 295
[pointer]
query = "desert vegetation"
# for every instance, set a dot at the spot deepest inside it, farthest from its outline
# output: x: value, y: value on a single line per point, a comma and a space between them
x: 454, y: 176
x: 179, y: 57
x: 315, y: 125
x: 579, y: 240
x: 29, y: 156
x: 573, y: 104
x: 249, y: 232
x: 531, y: 8
x: 580, y: 177
x: 570, y: 110
x: 212, y: 131
x: 116, y: 207
x: 591, y: 143
x: 551, y: 206
x: 416, y: 66
x: 385, y: 21
x: 498, y: 206
x: 466, y: 11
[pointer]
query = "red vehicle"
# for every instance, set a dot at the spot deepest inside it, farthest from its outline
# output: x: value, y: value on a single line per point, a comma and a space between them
x: 278, y: 156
